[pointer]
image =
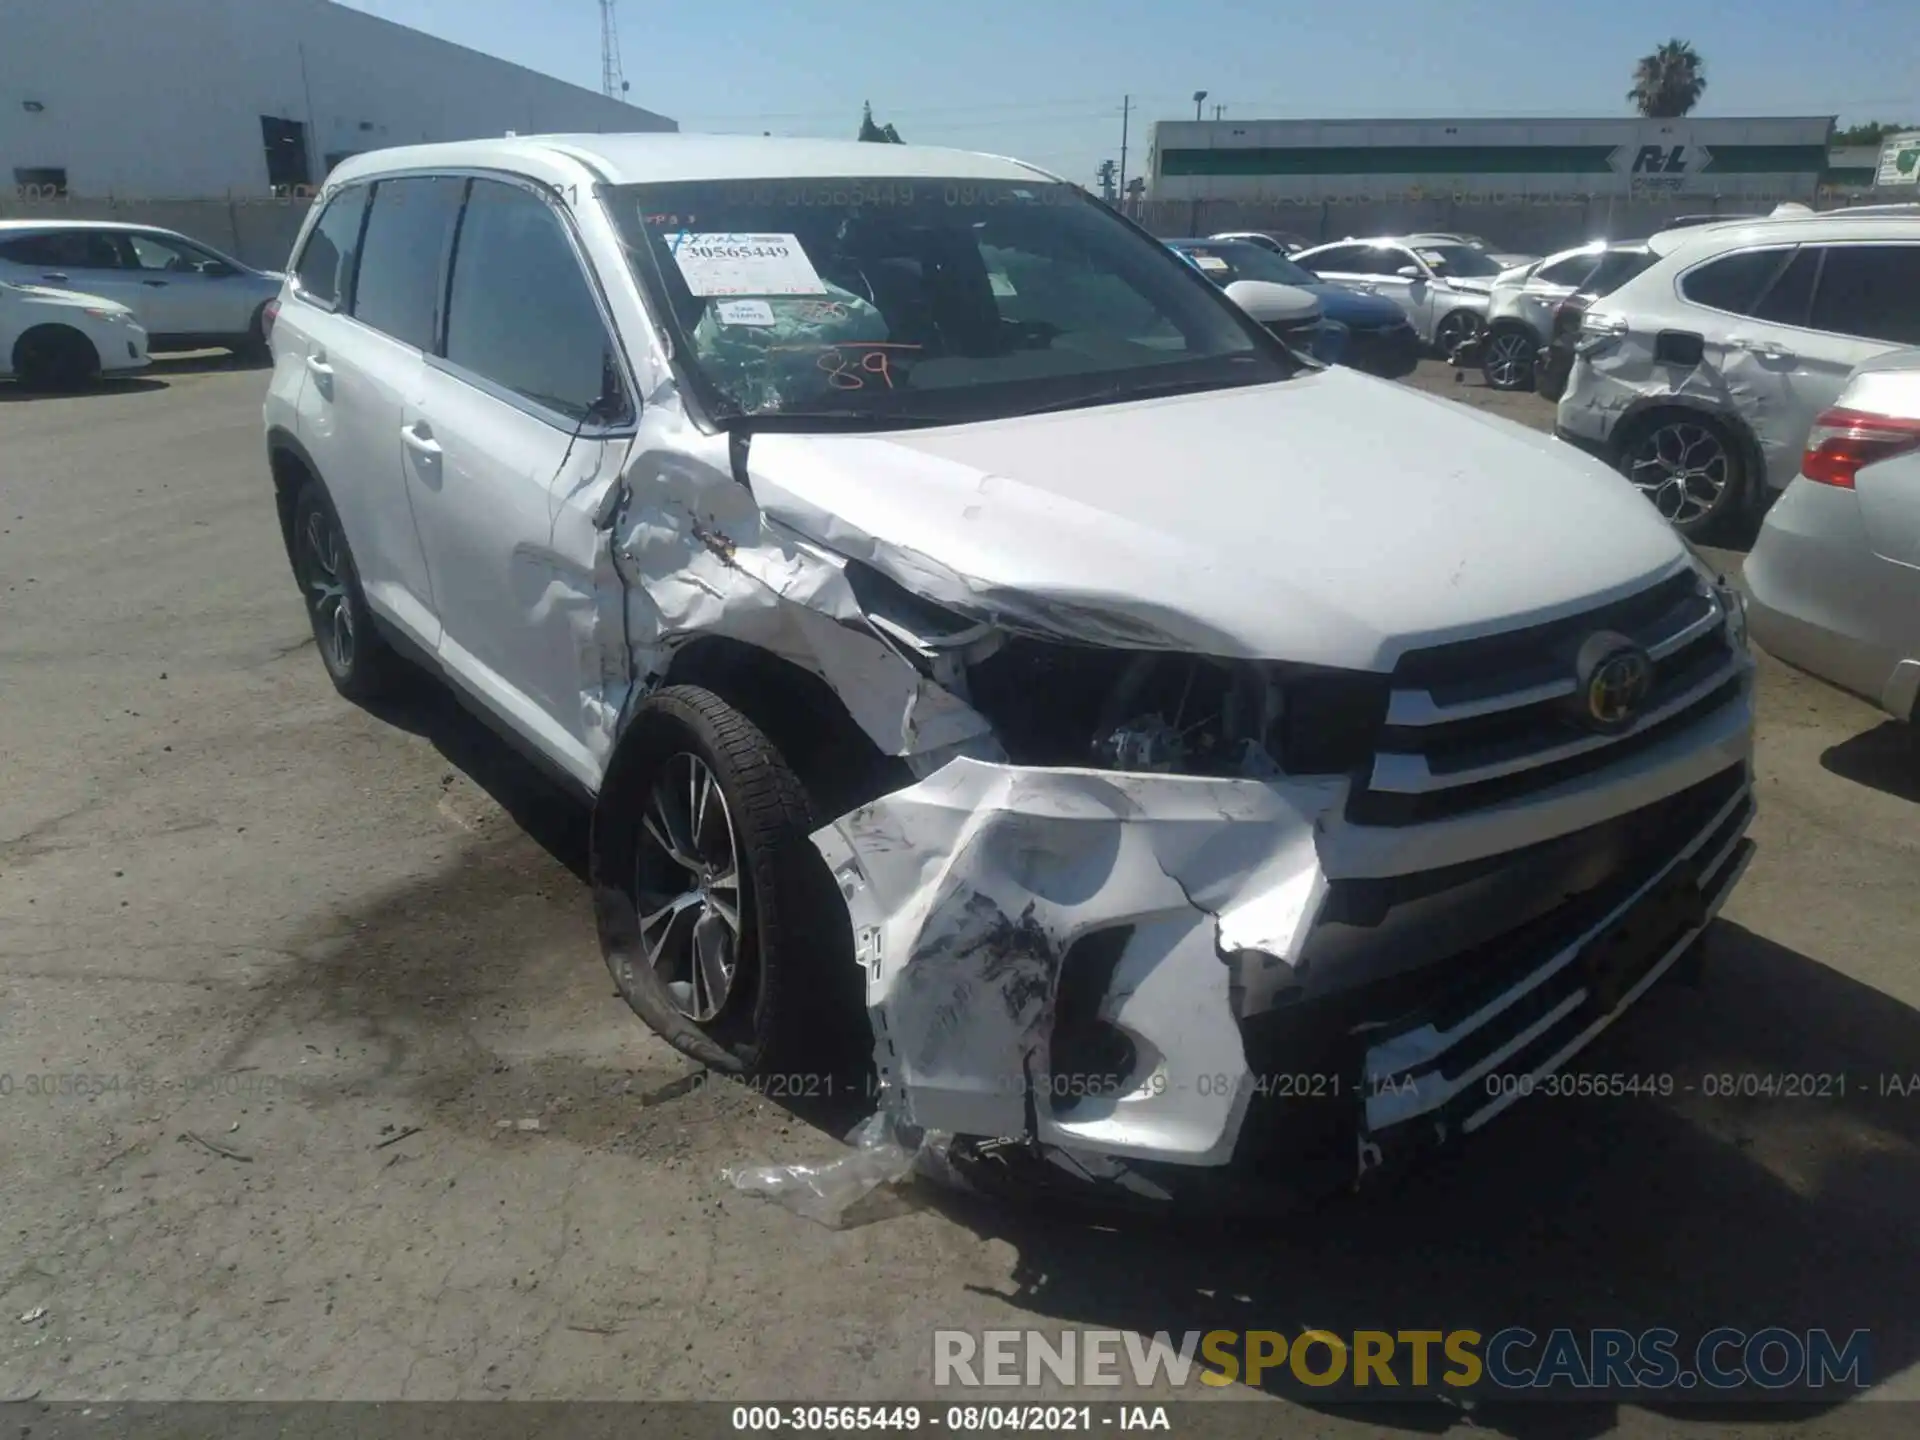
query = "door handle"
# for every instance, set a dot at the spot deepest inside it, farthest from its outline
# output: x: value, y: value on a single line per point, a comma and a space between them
x: 319, y: 366
x: 1765, y: 349
x: 57, y: 275
x: 157, y: 284
x: 419, y: 439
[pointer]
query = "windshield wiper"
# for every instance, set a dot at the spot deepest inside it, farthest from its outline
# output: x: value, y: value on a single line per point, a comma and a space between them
x: 1120, y: 394
x: 842, y: 419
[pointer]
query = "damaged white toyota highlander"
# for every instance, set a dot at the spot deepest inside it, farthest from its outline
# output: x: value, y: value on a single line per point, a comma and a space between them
x: 1194, y: 757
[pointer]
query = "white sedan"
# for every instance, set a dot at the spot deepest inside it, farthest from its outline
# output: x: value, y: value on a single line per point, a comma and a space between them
x: 186, y: 296
x: 58, y: 340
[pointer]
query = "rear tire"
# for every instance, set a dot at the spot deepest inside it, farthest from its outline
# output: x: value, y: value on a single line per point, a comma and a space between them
x: 1507, y: 357
x: 362, y: 666
x: 254, y: 350
x: 1688, y: 465
x: 55, y: 357
x: 1454, y: 331
x: 718, y: 919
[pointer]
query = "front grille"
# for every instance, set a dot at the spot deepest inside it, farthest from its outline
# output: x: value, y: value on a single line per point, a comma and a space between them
x: 1482, y: 721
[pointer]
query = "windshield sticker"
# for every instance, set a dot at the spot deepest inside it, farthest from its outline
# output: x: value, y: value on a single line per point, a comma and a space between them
x: 743, y: 312
x: 1002, y: 286
x: 1211, y: 263
x: 723, y: 263
x: 1432, y: 257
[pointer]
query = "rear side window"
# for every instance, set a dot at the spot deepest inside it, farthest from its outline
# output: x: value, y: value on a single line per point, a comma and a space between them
x: 1786, y: 300
x: 408, y: 227
x: 520, y: 311
x: 1342, y: 259
x: 1568, y: 272
x: 1616, y: 267
x: 325, y: 266
x: 1733, y: 282
x: 1872, y: 291
x: 65, y: 250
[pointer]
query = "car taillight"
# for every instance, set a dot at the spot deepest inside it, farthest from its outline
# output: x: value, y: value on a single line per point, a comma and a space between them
x: 1843, y: 440
x: 268, y: 314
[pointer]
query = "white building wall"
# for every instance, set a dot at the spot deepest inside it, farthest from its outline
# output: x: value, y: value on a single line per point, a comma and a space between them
x: 162, y: 99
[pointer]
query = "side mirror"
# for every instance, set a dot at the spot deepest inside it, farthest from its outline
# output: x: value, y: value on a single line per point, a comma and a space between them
x: 1411, y: 272
x: 217, y: 269
x: 1274, y: 304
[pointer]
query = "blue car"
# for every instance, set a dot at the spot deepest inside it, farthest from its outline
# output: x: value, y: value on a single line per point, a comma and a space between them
x: 1378, y: 337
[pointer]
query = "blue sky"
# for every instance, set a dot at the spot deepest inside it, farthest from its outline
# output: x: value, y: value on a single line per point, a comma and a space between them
x: 1043, y: 79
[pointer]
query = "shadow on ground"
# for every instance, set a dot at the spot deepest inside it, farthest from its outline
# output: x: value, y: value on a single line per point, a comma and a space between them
x: 12, y: 392
x: 1690, y: 1213
x: 1885, y: 758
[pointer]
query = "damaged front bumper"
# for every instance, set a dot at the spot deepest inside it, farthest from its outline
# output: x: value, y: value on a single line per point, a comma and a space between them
x: 1152, y: 974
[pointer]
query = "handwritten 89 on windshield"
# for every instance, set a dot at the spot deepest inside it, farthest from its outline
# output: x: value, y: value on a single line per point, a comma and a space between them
x: 955, y: 1419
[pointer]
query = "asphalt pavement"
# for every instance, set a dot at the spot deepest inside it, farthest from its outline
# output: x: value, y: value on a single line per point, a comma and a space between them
x: 313, y: 1083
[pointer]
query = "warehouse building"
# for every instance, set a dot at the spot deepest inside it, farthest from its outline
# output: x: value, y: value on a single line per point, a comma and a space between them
x: 210, y: 99
x: 1482, y: 161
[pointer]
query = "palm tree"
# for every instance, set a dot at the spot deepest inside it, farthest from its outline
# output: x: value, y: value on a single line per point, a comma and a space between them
x: 1669, y: 82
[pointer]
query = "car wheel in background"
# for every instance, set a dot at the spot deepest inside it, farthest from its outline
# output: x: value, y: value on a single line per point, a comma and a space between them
x: 1507, y: 357
x: 358, y: 659
x: 717, y: 915
x: 1454, y: 331
x: 1687, y: 465
x: 55, y: 357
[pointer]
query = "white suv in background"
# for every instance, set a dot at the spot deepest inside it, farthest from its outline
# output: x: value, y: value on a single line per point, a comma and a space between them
x: 1442, y: 285
x: 187, y: 296
x: 1700, y: 377
x: 946, y: 597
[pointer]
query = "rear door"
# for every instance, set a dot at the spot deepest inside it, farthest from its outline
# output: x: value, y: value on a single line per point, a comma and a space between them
x: 1829, y: 307
x: 363, y: 353
x: 523, y: 418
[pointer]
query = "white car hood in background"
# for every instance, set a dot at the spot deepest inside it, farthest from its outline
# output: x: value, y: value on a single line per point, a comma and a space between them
x: 1330, y: 519
x: 48, y: 295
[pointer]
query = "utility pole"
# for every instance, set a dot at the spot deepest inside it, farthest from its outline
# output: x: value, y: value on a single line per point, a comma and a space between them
x: 1126, y: 106
x: 1218, y: 111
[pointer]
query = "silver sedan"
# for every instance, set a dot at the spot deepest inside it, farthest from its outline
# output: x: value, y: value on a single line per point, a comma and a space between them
x: 1835, y: 574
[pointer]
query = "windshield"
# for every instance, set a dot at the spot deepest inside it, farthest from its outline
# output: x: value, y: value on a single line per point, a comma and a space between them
x: 1462, y: 260
x: 917, y: 301
x: 1225, y: 261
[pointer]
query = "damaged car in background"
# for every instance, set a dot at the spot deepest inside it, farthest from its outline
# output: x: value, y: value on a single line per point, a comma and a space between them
x: 988, y: 649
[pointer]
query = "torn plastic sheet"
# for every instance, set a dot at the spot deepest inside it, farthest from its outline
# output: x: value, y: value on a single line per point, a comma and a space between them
x: 969, y: 891
x: 882, y: 1151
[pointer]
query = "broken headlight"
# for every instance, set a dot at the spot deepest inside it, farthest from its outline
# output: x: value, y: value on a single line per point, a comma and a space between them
x: 1071, y: 705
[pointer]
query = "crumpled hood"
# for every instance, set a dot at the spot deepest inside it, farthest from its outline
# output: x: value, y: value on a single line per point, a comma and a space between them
x: 1332, y: 519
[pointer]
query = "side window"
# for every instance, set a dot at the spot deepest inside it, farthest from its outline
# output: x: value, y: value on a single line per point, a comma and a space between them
x: 156, y: 252
x: 1615, y: 269
x: 398, y: 287
x: 1571, y: 271
x: 1391, y: 259
x: 1872, y: 291
x: 520, y: 312
x: 1786, y: 300
x: 1733, y: 282
x: 325, y: 267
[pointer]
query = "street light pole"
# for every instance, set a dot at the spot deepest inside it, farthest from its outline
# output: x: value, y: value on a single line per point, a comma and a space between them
x: 1198, y: 97
x: 1126, y: 106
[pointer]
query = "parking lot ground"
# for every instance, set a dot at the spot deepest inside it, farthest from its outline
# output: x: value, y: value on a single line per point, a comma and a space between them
x: 315, y: 1084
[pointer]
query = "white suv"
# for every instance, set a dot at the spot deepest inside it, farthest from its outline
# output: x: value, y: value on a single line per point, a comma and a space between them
x: 945, y: 596
x: 187, y: 296
x: 1442, y: 285
x: 1701, y: 376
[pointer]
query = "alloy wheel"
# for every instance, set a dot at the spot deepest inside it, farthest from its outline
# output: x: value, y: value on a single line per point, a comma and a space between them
x: 327, y: 592
x: 687, y: 885
x: 1509, y: 359
x: 1683, y: 468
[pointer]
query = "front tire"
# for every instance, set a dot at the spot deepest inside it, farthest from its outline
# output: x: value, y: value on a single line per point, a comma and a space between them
x: 717, y: 917
x: 1454, y: 331
x: 1688, y: 466
x: 359, y: 662
x: 55, y: 357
